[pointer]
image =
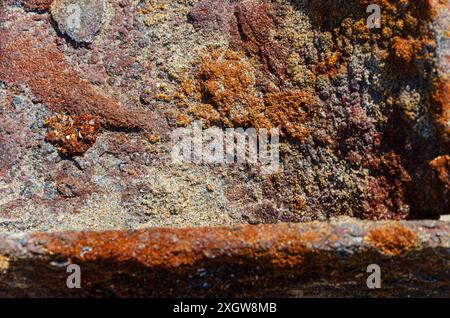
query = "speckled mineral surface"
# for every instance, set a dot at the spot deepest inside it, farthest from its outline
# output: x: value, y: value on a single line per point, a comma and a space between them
x: 78, y: 19
x: 90, y: 92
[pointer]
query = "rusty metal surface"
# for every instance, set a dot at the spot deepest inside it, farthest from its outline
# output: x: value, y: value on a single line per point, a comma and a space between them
x: 294, y: 260
x: 382, y: 145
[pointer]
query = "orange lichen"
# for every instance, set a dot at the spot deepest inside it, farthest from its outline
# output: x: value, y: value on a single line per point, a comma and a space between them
x: 290, y: 111
x: 222, y: 90
x: 441, y: 166
x: 38, y: 5
x: 439, y: 183
x: 441, y: 110
x: 296, y: 203
x: 72, y: 136
x: 393, y: 239
x: 154, y: 138
x: 403, y: 49
x: 403, y: 34
x: 331, y: 65
x: 224, y: 80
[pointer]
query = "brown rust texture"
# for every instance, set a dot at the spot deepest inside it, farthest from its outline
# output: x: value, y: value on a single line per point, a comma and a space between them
x: 34, y: 60
x: 441, y: 111
x: 72, y: 135
x: 287, y: 259
x: 223, y: 80
x: 38, y: 5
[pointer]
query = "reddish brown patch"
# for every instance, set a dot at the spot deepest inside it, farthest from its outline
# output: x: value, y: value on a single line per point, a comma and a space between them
x: 223, y: 90
x: 36, y: 5
x: 386, y: 194
x: 254, y: 25
x: 260, y: 213
x: 72, y: 136
x: 237, y: 192
x: 37, y: 62
x: 441, y: 166
x: 441, y: 111
x: 440, y: 181
x: 250, y: 25
x: 69, y: 186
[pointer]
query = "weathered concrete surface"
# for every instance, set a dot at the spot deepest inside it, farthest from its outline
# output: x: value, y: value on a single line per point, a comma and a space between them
x: 294, y: 260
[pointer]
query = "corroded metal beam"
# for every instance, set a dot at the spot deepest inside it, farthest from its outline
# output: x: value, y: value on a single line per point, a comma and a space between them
x: 311, y: 259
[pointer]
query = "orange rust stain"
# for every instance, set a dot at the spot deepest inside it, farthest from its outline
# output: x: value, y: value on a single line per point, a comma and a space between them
x: 441, y: 111
x: 221, y: 80
x: 404, y: 33
x: 223, y: 90
x: 403, y: 49
x: 296, y: 248
x: 393, y: 239
x: 441, y: 166
x: 279, y: 246
x: 290, y: 111
x: 72, y: 136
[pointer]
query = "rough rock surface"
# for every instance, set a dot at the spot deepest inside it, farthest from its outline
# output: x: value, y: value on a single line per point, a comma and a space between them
x: 79, y: 19
x: 364, y: 113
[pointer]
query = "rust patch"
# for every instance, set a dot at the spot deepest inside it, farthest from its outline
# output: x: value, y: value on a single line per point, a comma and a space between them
x: 225, y: 261
x: 440, y: 180
x: 393, y: 239
x: 223, y: 90
x: 36, y: 5
x: 72, y: 136
x: 36, y: 62
x: 169, y: 248
x: 441, y: 166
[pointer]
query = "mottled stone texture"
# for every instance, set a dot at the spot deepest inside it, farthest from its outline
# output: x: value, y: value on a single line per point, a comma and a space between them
x: 85, y: 120
x: 290, y: 260
x: 78, y: 19
x: 363, y: 113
